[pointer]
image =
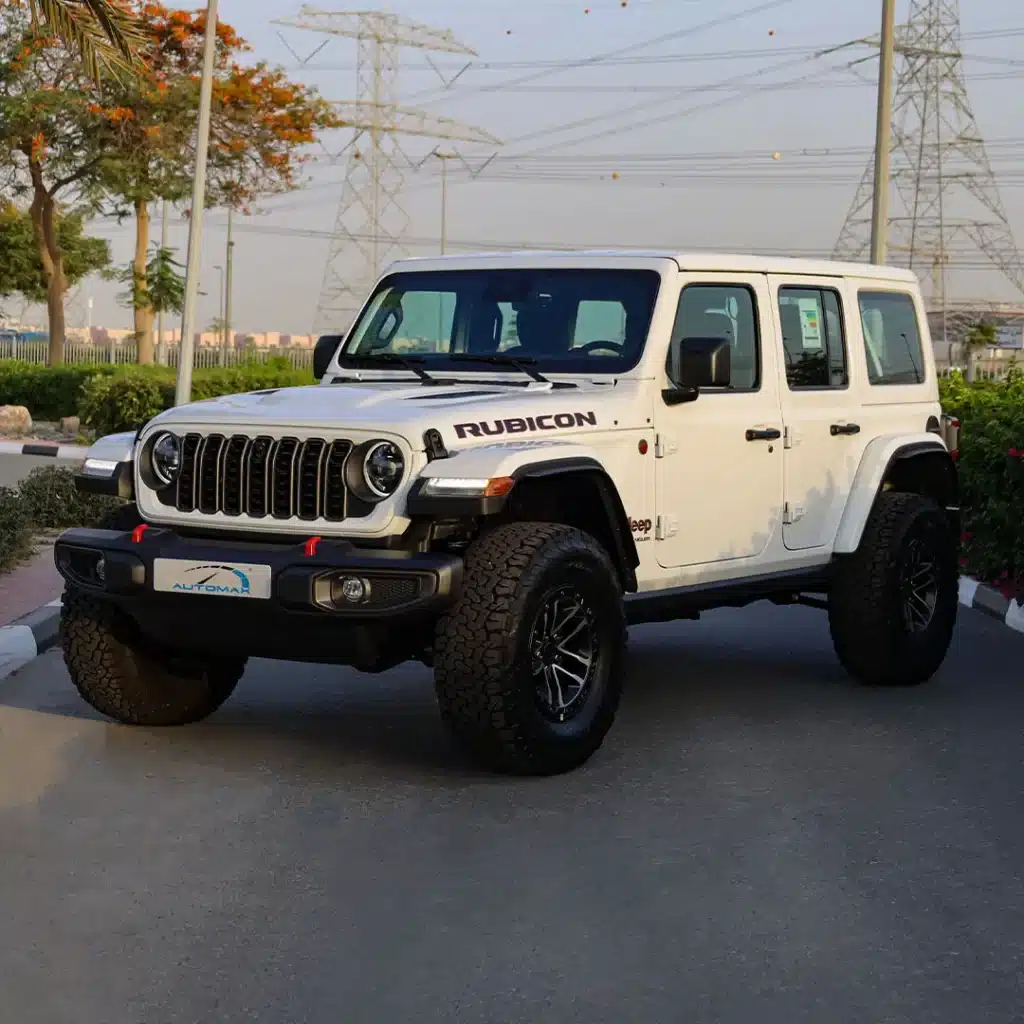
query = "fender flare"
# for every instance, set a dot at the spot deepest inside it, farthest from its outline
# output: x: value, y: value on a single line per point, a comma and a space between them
x: 624, y: 555
x: 880, y: 457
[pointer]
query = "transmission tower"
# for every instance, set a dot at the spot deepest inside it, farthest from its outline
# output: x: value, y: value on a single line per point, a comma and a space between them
x: 945, y: 203
x: 371, y: 220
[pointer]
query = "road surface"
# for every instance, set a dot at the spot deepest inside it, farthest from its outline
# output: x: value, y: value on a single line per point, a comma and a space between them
x: 14, y: 468
x: 759, y: 840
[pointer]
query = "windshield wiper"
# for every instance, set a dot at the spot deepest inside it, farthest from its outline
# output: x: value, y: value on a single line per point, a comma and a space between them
x: 520, y: 363
x: 410, y: 363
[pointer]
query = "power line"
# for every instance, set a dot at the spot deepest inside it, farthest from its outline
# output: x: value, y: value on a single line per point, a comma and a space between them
x: 622, y: 51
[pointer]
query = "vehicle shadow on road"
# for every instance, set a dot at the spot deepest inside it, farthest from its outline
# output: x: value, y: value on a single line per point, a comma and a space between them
x: 322, y: 725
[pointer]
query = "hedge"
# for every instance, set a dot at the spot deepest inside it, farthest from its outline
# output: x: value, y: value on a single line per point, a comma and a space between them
x: 991, y: 477
x: 46, y: 500
x: 136, y: 393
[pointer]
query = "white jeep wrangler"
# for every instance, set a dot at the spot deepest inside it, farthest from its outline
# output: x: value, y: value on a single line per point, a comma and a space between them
x: 510, y: 458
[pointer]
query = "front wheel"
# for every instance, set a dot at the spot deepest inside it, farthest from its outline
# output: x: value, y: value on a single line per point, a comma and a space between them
x: 893, y: 604
x: 529, y: 660
x: 117, y: 674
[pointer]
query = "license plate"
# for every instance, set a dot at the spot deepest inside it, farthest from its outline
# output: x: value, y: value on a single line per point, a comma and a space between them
x: 212, y: 578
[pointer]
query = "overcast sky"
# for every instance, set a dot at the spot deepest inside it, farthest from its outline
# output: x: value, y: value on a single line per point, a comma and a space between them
x: 787, y: 194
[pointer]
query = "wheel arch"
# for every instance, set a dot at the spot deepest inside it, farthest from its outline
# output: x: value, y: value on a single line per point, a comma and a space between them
x: 919, y: 464
x: 575, y: 490
x: 578, y: 492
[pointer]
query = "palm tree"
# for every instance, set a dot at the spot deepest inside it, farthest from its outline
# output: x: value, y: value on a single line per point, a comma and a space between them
x: 105, y: 33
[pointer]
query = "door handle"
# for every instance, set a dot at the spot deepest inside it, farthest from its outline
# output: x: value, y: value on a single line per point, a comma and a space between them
x: 771, y: 434
x: 844, y: 428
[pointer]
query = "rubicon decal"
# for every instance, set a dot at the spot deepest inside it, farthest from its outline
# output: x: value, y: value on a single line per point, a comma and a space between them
x: 526, y: 424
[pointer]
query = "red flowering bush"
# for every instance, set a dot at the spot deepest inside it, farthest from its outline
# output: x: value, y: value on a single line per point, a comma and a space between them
x: 991, y: 465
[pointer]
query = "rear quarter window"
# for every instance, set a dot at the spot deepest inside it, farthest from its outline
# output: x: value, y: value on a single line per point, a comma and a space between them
x: 892, y: 338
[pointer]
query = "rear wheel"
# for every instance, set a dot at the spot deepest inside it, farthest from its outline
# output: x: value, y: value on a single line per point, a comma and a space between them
x: 529, y: 660
x: 121, y: 677
x: 894, y: 603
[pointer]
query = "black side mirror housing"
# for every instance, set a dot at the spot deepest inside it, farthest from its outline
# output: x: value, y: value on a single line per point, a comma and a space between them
x: 323, y: 353
x: 695, y: 363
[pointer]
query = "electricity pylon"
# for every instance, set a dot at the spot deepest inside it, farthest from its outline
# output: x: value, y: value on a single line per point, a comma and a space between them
x: 371, y: 220
x: 945, y: 202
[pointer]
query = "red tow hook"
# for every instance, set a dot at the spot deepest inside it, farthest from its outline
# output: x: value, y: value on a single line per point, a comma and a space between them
x: 138, y: 532
x: 311, y: 546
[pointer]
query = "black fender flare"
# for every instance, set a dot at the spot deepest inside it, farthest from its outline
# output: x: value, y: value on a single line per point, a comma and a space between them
x: 624, y: 554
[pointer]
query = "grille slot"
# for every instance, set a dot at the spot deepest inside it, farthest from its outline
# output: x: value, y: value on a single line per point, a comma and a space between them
x: 260, y: 477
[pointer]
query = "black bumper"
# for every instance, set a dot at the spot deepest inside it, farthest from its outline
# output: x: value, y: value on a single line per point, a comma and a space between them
x: 306, y: 616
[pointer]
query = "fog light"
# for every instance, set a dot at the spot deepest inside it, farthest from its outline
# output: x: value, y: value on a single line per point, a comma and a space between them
x: 101, y: 569
x: 352, y: 589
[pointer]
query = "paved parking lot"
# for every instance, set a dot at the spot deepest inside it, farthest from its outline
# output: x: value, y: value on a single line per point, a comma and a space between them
x: 759, y: 840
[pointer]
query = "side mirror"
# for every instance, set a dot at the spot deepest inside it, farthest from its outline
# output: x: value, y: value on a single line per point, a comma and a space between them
x: 323, y: 353
x: 695, y: 363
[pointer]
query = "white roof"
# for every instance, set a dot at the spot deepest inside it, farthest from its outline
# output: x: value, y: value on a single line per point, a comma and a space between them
x: 747, y: 263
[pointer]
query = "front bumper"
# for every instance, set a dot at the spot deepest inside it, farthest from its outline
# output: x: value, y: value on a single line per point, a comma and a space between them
x: 305, y: 615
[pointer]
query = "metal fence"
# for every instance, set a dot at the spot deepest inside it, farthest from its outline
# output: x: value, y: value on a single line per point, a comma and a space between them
x: 126, y: 353
x: 985, y: 369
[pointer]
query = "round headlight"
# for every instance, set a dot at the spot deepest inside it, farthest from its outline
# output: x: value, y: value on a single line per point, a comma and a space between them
x: 383, y: 468
x: 166, y: 459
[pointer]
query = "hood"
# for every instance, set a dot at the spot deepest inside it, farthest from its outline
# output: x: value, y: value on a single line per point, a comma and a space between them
x: 462, y: 413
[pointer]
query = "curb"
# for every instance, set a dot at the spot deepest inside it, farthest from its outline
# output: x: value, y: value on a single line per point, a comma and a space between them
x: 991, y: 602
x: 24, y: 640
x: 45, y: 449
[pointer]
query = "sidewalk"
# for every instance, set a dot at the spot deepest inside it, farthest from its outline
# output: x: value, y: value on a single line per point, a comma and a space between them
x: 32, y: 585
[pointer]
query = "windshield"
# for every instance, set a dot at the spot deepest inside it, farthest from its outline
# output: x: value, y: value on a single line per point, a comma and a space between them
x: 561, y: 321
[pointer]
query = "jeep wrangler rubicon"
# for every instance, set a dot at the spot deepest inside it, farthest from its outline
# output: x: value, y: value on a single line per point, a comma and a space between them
x: 509, y: 459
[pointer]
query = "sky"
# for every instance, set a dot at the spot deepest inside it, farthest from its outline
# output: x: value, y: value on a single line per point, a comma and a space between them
x: 731, y: 137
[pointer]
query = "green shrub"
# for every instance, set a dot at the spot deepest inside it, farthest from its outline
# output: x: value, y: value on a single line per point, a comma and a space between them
x: 52, y: 501
x: 127, y: 400
x: 15, y: 528
x: 991, y: 461
x: 49, y: 392
x: 124, y: 401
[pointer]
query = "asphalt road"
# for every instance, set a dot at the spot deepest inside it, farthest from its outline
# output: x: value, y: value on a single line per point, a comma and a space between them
x: 760, y: 840
x: 14, y: 468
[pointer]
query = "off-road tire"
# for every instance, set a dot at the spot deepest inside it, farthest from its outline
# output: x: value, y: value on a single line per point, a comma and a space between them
x: 482, y: 659
x: 865, y: 608
x: 117, y: 675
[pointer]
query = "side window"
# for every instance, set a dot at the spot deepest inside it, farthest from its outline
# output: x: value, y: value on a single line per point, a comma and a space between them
x: 728, y: 312
x: 892, y: 338
x: 812, y: 338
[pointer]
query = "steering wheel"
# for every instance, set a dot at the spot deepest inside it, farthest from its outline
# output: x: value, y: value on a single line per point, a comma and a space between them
x: 593, y: 346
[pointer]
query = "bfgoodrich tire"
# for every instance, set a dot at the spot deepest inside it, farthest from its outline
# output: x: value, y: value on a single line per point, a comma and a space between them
x: 117, y: 676
x: 529, y: 660
x: 894, y: 603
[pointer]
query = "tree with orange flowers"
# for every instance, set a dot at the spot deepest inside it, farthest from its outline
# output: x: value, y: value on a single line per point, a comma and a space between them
x: 49, y: 152
x: 261, y: 123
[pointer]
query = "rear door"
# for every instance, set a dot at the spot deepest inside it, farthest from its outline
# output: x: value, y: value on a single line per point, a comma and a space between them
x: 823, y: 437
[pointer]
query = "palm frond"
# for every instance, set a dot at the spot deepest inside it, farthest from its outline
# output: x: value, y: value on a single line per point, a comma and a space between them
x: 105, y: 34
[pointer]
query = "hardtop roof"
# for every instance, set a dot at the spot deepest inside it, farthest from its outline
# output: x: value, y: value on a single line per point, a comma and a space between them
x: 711, y: 262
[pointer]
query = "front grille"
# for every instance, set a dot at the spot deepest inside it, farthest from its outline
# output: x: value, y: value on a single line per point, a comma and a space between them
x: 259, y: 477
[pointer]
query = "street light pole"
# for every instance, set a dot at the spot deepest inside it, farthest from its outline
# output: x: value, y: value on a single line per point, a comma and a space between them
x: 229, y: 263
x: 883, y: 134
x: 183, y: 390
x: 161, y: 355
x: 444, y: 158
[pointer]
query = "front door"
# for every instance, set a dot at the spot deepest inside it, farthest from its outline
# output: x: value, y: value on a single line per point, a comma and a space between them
x: 824, y: 439
x: 719, y: 459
